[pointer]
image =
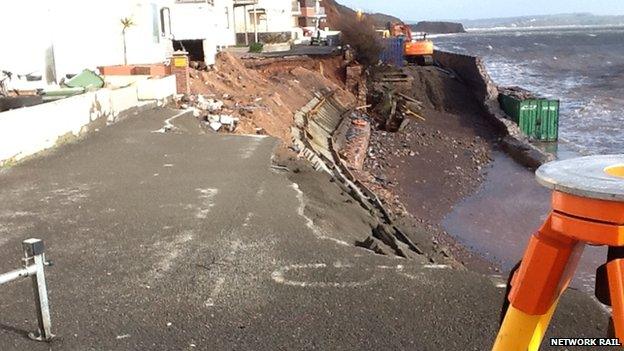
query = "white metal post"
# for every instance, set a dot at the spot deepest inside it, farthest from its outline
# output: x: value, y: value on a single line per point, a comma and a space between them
x: 246, y: 16
x: 34, y: 263
x: 34, y: 253
x: 255, y: 18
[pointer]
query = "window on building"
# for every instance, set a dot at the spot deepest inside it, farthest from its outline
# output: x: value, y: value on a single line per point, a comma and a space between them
x: 155, y: 27
x: 253, y: 19
x: 227, y: 17
x: 165, y: 22
x: 258, y: 17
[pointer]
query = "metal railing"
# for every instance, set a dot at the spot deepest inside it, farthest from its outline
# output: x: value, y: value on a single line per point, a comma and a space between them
x: 33, y: 266
x: 245, y: 2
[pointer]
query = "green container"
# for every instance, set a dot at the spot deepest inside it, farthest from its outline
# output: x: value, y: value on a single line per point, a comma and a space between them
x: 537, y: 118
x: 86, y: 79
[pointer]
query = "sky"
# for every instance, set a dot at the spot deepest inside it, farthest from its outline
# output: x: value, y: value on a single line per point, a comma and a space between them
x: 409, y: 10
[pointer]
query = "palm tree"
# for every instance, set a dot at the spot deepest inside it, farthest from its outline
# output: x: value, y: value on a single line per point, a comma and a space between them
x: 126, y: 23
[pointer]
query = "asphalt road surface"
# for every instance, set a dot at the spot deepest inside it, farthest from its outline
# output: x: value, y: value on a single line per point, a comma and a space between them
x: 185, y: 240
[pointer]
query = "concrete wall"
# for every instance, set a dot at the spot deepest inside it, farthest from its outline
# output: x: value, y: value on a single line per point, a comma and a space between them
x: 29, y: 130
x: 202, y: 21
x: 122, y: 81
x: 472, y: 71
x: 224, y: 22
x: 156, y: 89
x: 213, y: 24
x: 262, y: 37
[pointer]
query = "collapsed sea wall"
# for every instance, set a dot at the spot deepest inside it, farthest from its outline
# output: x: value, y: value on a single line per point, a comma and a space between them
x: 320, y: 132
x: 471, y: 70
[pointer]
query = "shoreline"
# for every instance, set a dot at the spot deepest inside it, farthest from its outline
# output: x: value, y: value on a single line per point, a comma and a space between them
x: 436, y: 162
x: 241, y: 234
x: 434, y: 245
x: 480, y: 226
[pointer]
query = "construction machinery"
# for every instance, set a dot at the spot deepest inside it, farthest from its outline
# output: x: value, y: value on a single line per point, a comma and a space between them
x: 418, y: 50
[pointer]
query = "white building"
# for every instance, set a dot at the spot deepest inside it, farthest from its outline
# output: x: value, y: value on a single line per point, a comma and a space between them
x: 200, y: 27
x: 60, y: 37
x: 257, y: 20
x: 55, y: 38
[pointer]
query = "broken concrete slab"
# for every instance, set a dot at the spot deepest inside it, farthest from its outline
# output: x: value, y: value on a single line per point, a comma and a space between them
x: 210, y: 105
x: 215, y: 126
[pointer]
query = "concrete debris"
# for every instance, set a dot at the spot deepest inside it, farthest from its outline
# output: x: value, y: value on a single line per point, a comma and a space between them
x: 374, y: 245
x: 393, y: 239
x: 208, y: 110
x: 215, y: 126
x: 395, y: 107
x: 210, y: 105
x: 347, y: 140
x: 227, y: 119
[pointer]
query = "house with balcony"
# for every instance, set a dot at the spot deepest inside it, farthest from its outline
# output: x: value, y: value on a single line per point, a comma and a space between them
x: 199, y: 27
x: 311, y: 14
x: 71, y: 43
x: 263, y: 20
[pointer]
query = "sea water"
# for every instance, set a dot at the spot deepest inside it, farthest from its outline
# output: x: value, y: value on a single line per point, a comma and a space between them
x: 581, y: 66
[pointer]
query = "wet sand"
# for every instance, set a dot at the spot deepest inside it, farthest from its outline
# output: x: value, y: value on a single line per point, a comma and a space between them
x: 498, y: 219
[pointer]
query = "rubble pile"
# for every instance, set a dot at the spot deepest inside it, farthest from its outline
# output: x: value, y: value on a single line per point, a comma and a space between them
x: 394, y: 110
x: 258, y: 98
x: 209, y: 110
x: 426, y: 151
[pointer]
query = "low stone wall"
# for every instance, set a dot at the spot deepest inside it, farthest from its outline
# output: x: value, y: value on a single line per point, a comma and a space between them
x: 156, y: 88
x: 280, y: 47
x: 29, y: 130
x: 262, y: 37
x: 471, y: 70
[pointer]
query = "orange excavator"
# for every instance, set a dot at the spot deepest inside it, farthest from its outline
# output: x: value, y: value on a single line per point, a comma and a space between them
x: 417, y: 50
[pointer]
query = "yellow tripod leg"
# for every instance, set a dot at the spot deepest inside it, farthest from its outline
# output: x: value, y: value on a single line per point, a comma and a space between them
x: 541, y: 328
x: 517, y: 331
x: 521, y: 331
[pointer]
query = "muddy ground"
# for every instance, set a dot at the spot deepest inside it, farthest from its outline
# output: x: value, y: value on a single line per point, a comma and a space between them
x: 434, y: 163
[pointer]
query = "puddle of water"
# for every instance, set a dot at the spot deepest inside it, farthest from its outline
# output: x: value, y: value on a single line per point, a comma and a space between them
x: 499, y: 218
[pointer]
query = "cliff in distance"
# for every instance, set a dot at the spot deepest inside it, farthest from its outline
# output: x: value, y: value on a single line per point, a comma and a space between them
x: 438, y: 27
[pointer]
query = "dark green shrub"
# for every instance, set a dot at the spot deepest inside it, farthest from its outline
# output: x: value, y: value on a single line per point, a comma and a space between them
x: 256, y: 47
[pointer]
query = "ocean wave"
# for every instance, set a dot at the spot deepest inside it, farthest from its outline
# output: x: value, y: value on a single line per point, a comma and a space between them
x: 587, y: 76
x: 542, y: 28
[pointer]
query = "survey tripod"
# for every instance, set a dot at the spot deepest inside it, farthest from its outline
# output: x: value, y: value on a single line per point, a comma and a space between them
x: 587, y: 209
